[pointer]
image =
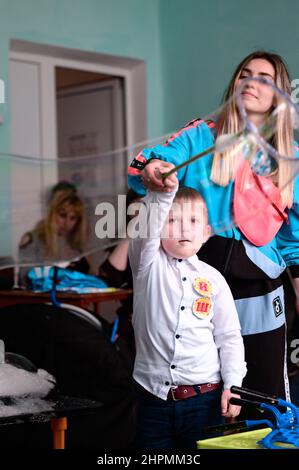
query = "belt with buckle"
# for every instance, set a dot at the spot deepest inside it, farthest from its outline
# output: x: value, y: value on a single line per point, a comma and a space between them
x: 187, y: 391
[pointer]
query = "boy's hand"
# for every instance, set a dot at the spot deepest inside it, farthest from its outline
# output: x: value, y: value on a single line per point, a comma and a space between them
x: 228, y: 410
x: 152, y: 176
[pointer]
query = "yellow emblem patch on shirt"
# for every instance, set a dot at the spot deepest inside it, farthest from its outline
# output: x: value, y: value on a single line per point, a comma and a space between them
x: 201, y: 307
x: 203, y: 286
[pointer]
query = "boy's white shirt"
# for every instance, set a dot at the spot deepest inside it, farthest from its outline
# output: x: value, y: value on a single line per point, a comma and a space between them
x: 203, y: 350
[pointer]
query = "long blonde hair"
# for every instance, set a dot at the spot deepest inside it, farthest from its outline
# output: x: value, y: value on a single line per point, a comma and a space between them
x: 224, y: 164
x: 47, y: 230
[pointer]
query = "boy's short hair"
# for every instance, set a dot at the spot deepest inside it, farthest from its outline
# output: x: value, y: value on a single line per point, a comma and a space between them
x: 189, y: 194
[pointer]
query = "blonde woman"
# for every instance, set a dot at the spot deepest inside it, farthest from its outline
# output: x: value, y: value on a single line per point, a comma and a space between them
x: 251, y: 263
x: 60, y: 236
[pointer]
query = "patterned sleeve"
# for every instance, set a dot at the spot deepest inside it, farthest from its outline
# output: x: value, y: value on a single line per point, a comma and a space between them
x: 177, y: 149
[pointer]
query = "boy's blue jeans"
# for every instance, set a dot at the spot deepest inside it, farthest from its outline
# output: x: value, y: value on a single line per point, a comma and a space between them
x: 175, y: 424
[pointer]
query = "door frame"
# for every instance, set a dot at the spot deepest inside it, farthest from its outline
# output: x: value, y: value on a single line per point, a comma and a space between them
x: 133, y: 72
x: 117, y: 105
x: 47, y: 57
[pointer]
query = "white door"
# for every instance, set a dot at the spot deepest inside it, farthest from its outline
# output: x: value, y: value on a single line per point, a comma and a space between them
x: 90, y: 121
x: 26, y: 174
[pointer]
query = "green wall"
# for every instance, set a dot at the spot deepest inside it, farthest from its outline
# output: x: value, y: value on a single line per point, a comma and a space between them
x: 202, y: 42
x: 190, y: 46
x: 128, y: 28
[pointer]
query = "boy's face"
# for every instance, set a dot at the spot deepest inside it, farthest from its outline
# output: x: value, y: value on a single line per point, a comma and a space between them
x: 186, y: 228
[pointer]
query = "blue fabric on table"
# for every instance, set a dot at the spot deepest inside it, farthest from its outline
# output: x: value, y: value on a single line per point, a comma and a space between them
x: 41, y: 280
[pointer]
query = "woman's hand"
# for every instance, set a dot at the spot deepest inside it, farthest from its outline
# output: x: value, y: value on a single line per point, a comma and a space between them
x: 152, y: 176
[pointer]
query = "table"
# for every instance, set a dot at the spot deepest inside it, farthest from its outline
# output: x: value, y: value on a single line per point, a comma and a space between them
x: 13, y: 297
x: 60, y: 408
x: 243, y: 440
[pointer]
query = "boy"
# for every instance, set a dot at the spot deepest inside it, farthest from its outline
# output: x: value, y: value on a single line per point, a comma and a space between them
x: 186, y: 326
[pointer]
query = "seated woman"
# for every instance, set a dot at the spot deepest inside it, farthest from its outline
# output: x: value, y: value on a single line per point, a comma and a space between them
x: 60, y: 236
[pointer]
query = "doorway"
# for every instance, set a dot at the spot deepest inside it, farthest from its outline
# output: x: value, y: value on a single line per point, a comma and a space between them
x: 91, y: 122
x: 44, y: 92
